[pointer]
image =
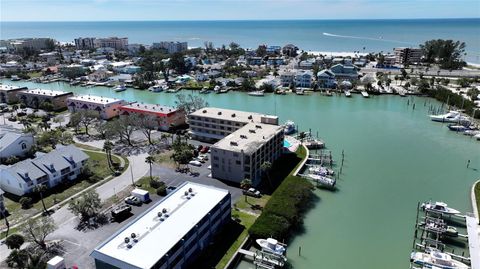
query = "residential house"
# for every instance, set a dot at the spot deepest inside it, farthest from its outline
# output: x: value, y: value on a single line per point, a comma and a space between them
x: 100, y: 75
x: 14, y: 142
x: 255, y: 60
x: 274, y: 49
x: 50, y: 58
x: 63, y: 164
x: 303, y: 79
x: 275, y: 61
x: 345, y: 72
x: 326, y: 79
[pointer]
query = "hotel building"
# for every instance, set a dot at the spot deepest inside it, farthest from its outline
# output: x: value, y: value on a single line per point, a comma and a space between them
x: 106, y: 107
x: 211, y: 124
x: 162, y: 117
x: 241, y: 154
x: 407, y: 55
x: 35, y: 97
x: 118, y: 43
x: 171, y: 47
x: 171, y: 233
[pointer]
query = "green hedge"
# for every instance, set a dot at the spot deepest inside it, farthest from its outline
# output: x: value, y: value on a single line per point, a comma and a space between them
x: 284, y: 211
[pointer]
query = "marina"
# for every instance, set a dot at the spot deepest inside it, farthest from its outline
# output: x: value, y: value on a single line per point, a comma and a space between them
x: 382, y: 166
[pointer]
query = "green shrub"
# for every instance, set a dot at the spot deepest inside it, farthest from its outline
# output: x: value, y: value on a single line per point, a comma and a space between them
x: 26, y: 202
x: 155, y: 183
x: 14, y: 241
x: 162, y: 190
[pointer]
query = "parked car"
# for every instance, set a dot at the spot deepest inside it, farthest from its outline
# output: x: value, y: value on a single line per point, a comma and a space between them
x: 132, y: 200
x: 121, y: 211
x: 203, y: 157
x: 209, y: 167
x: 199, y: 147
x: 252, y: 192
x: 195, y: 163
x: 205, y: 149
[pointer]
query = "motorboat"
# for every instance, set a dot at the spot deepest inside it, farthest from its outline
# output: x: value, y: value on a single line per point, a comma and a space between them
x: 271, y: 245
x: 120, y: 88
x: 348, y: 94
x: 457, y: 127
x: 365, y: 94
x: 471, y: 132
x: 299, y: 92
x: 452, y: 116
x: 321, y: 171
x: 205, y: 90
x: 156, y: 88
x: 256, y: 93
x: 436, y: 259
x: 477, y: 136
x: 439, y: 226
x: 439, y: 207
x: 323, y: 180
x: 14, y: 78
x: 289, y: 127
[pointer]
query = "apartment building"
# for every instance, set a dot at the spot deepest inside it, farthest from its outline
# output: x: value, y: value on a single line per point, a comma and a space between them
x: 106, y: 107
x: 118, y: 43
x: 14, y: 142
x: 407, y: 55
x: 85, y: 43
x: 171, y: 233
x: 30, y: 43
x: 161, y: 117
x: 170, y: 46
x: 8, y: 93
x: 211, y: 124
x: 241, y: 154
x: 35, y: 97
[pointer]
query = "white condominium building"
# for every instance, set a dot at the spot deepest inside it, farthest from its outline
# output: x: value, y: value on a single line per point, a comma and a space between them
x: 241, y: 154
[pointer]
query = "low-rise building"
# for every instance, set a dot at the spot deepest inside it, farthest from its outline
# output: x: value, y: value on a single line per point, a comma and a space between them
x: 241, y: 154
x: 160, y: 117
x: 106, y: 107
x: 14, y: 142
x: 171, y: 233
x: 100, y: 75
x: 272, y: 49
x: 35, y: 97
x: 8, y: 93
x: 275, y: 61
x: 303, y: 79
x: 211, y: 124
x: 326, y: 79
x: 255, y: 60
x: 170, y: 46
x: 60, y: 165
x: 408, y: 55
x: 50, y: 58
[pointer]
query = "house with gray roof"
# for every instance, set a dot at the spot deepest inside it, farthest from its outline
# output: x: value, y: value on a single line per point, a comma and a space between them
x: 60, y: 165
x: 13, y: 142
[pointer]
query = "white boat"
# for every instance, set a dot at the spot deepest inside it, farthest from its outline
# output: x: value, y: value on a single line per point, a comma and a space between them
x: 289, y: 127
x: 271, y: 245
x: 457, y: 127
x: 205, y: 90
x: 451, y: 116
x: 14, y: 78
x: 477, y: 136
x: 256, y: 93
x: 299, y: 92
x: 120, y: 88
x: 348, y: 94
x: 471, y: 132
x: 439, y: 207
x: 156, y: 88
x: 321, y: 171
x: 323, y: 180
x: 365, y: 94
x: 436, y: 259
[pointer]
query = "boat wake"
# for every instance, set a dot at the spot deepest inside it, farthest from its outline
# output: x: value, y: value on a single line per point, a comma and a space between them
x: 368, y: 38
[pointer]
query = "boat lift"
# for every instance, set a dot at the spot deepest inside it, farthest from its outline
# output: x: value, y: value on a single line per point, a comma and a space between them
x: 265, y: 260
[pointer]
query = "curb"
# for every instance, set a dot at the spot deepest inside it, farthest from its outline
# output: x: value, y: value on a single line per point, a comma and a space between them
x: 474, y: 200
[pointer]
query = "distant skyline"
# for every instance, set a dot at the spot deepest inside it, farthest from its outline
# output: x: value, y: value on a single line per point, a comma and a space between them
x: 138, y: 10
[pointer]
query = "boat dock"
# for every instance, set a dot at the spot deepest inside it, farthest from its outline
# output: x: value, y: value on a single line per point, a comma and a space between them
x: 263, y: 259
x: 473, y: 231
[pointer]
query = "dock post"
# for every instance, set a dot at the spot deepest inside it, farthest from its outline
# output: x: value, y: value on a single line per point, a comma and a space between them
x: 299, y: 251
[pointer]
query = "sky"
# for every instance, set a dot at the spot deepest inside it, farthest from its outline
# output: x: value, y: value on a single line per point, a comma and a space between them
x: 125, y: 10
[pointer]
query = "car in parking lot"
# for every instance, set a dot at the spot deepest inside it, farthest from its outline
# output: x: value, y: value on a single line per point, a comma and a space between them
x: 203, y: 157
x: 121, y: 211
x: 195, y: 163
x: 132, y: 200
x: 205, y: 149
x: 252, y: 192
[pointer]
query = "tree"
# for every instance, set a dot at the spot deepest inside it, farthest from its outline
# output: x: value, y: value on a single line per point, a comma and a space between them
x: 75, y: 119
x: 104, y: 128
x: 86, y: 118
x: 14, y: 241
x: 40, y: 188
x: 261, y: 51
x: 59, y: 119
x: 147, y: 124
x: 266, y: 167
x: 190, y: 103
x: 107, y: 147
x: 246, y: 184
x: 36, y: 230
x: 447, y: 53
x: 17, y: 258
x: 177, y: 62
x: 86, y: 206
x: 150, y: 160
x: 125, y: 126
x: 182, y: 152
x: 26, y: 202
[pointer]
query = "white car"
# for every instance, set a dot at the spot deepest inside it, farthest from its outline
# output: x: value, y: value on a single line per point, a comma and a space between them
x: 195, y: 163
x: 209, y: 167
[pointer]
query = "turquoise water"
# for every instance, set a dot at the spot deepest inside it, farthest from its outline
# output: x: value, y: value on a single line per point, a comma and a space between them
x: 316, y: 35
x: 394, y: 157
x: 286, y: 144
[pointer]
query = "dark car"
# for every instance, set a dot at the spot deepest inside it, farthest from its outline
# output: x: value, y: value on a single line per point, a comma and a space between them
x: 121, y: 211
x: 205, y: 149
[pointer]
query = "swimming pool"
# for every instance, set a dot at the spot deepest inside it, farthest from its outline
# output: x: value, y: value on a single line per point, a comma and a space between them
x: 286, y: 144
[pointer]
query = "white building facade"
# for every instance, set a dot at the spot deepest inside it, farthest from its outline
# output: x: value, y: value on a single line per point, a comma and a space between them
x: 106, y: 107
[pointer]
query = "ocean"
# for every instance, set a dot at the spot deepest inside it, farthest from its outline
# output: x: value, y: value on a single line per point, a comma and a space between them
x: 308, y: 35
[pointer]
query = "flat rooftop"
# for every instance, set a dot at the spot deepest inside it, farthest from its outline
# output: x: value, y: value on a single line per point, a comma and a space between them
x: 227, y: 114
x: 11, y: 88
x: 156, y: 237
x: 248, y: 138
x: 154, y: 108
x: 95, y: 99
x: 45, y: 92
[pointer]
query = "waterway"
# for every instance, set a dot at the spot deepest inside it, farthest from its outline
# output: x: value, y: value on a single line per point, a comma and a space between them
x: 394, y: 157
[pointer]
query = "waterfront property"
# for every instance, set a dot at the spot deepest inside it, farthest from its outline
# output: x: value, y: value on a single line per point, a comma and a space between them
x: 84, y: 43
x: 50, y: 169
x: 297, y: 78
x: 171, y: 47
x: 14, y: 142
x: 106, y: 107
x: 326, y: 79
x: 161, y: 117
x: 241, y: 154
x: 35, y: 97
x: 346, y: 72
x: 407, y: 55
x: 169, y: 234
x: 212, y: 124
x: 8, y: 93
x: 117, y: 43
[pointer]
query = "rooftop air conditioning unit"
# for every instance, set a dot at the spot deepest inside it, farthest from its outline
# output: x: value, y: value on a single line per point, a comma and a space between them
x: 204, y: 111
x: 233, y: 115
x: 219, y: 112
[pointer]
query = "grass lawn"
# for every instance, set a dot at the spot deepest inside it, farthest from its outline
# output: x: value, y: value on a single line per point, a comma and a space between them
x: 57, y: 194
x: 144, y: 183
x: 34, y: 74
x: 477, y: 196
x: 165, y: 159
x: 251, y: 201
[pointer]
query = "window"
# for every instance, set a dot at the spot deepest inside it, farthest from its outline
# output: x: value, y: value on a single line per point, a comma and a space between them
x: 237, y: 162
x: 24, y: 146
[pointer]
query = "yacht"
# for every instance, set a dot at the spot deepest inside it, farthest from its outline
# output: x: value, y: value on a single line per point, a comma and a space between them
x: 271, y: 245
x: 217, y: 89
x: 256, y: 93
x: 457, y: 127
x: 365, y: 94
x: 205, y: 90
x: 348, y: 94
x: 439, y: 207
x: 155, y: 88
x: 436, y: 259
x: 14, y: 78
x: 120, y: 88
x: 451, y: 116
x: 289, y: 127
x: 321, y: 171
x: 323, y: 180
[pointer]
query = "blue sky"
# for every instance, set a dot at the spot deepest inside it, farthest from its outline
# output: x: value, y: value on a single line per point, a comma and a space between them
x: 107, y: 10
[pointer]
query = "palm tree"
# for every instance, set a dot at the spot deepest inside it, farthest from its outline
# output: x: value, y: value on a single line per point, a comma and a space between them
x: 246, y: 184
x: 266, y: 167
x: 150, y: 160
x: 40, y: 189
x: 107, y: 147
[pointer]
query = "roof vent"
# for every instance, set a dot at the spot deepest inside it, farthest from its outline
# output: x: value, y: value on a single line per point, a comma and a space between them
x: 190, y: 190
x: 133, y: 235
x: 233, y: 115
x: 233, y: 143
x: 250, y: 117
x: 159, y: 214
x: 127, y: 240
x: 219, y: 113
x: 258, y: 126
x: 251, y: 131
x: 204, y: 111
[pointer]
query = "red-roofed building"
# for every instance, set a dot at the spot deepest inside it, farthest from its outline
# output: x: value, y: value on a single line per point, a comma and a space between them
x: 162, y: 117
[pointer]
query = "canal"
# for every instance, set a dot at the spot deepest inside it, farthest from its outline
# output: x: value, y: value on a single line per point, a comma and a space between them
x: 394, y: 157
